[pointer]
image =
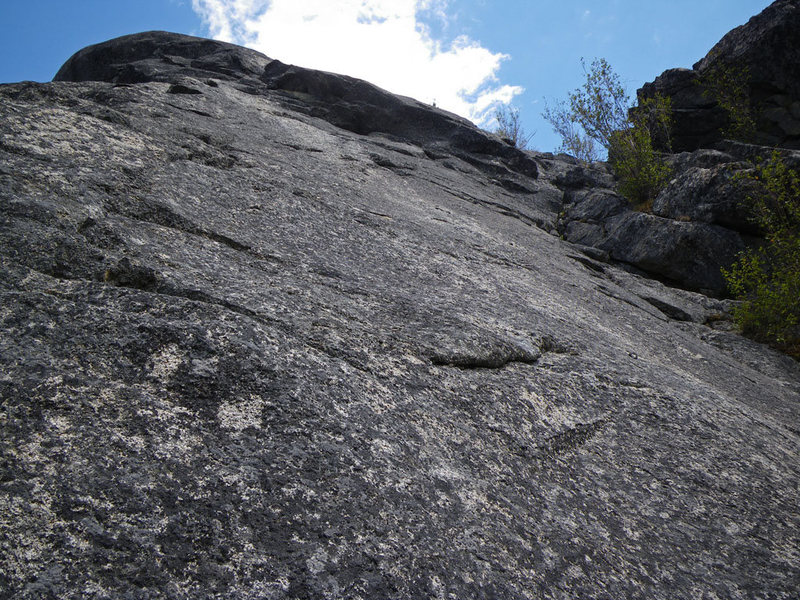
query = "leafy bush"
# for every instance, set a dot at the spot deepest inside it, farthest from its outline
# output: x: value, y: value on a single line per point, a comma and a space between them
x: 642, y: 174
x: 767, y: 279
x: 509, y: 126
x: 573, y: 140
x: 592, y: 112
x: 600, y: 112
x: 728, y: 85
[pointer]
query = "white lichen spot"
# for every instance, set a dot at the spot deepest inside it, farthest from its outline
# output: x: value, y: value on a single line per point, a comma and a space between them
x: 414, y: 360
x: 204, y: 367
x: 60, y: 424
x: 316, y: 564
x: 448, y: 472
x: 136, y: 443
x: 549, y: 412
x: 180, y: 446
x: 381, y: 446
x: 475, y: 500
x: 632, y: 533
x: 241, y: 414
x: 575, y: 572
x: 731, y: 528
x: 166, y: 362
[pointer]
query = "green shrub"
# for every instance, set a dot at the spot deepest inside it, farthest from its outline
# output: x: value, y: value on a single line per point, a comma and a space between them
x: 641, y: 172
x: 600, y: 112
x: 728, y: 85
x: 767, y: 279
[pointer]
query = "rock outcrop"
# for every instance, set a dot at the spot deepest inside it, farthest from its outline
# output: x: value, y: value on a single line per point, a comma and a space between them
x: 699, y: 223
x: 681, y: 246
x: 275, y: 333
x: 768, y: 48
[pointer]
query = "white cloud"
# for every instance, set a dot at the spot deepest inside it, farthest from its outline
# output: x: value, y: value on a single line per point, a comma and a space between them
x: 385, y: 42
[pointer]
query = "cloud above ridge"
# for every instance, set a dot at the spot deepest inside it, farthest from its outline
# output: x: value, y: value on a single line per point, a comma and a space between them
x: 386, y: 42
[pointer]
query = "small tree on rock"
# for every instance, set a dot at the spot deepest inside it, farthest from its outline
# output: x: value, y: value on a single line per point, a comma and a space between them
x: 573, y: 139
x: 600, y: 112
x: 642, y: 174
x: 509, y: 127
x: 767, y: 278
x: 728, y: 85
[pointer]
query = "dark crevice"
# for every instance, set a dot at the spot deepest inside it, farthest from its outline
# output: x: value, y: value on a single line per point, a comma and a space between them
x: 513, y: 186
x: 225, y: 241
x: 163, y: 216
x: 606, y: 292
x: 549, y: 344
x: 387, y: 163
x: 302, y: 148
x: 569, y: 440
x: 496, y: 206
x: 179, y: 88
x: 202, y: 113
x: 10, y: 149
x: 126, y: 274
x: 337, y: 354
x: 589, y: 264
x: 673, y: 312
x: 486, y: 361
x: 559, y: 444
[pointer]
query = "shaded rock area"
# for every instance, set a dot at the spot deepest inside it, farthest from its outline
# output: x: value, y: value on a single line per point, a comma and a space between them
x: 276, y: 333
x: 768, y: 47
x: 697, y: 225
x: 684, y: 247
x: 700, y: 222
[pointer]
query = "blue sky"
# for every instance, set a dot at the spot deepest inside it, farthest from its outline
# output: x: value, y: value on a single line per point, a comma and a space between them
x: 465, y: 55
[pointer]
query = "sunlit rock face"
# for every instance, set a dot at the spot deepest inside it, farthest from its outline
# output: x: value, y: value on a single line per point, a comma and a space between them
x: 276, y: 333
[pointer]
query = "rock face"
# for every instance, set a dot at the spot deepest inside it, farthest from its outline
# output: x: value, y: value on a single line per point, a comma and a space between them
x: 768, y: 46
x: 276, y: 333
x: 699, y: 222
x: 679, y: 242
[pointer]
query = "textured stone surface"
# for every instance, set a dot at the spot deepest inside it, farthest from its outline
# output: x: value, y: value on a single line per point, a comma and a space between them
x: 697, y: 120
x: 699, y: 221
x: 250, y: 350
x: 768, y: 46
x: 710, y: 187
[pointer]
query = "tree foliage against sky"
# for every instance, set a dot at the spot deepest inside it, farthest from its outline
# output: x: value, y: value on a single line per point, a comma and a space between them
x: 592, y: 113
x: 509, y: 126
x: 600, y: 114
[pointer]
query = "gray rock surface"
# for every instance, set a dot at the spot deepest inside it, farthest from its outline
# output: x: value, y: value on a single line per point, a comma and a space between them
x: 768, y: 46
x: 710, y: 188
x: 698, y: 226
x: 256, y: 347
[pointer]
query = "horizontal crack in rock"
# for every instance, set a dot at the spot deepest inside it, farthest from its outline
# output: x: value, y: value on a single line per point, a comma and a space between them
x: 489, y: 358
x: 571, y: 439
